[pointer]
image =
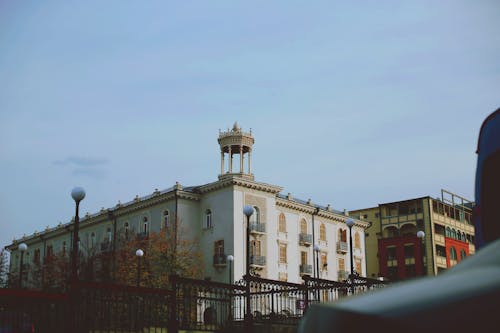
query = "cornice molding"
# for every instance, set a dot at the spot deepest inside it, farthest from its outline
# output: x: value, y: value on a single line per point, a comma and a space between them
x: 237, y: 181
x: 318, y: 212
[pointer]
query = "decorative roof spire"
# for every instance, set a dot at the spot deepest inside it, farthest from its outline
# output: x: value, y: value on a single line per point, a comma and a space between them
x: 236, y: 128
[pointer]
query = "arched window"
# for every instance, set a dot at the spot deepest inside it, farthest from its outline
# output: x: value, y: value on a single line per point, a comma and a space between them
x: 145, y: 225
x: 357, y: 241
x: 303, y: 226
x: 165, y: 219
x: 108, y: 232
x: 255, y: 218
x: 282, y: 223
x: 126, y: 229
x: 208, y: 219
x: 322, y: 232
x: 92, y: 240
x: 453, y: 233
x: 448, y: 232
x: 464, y: 238
x: 453, y: 253
x: 342, y: 235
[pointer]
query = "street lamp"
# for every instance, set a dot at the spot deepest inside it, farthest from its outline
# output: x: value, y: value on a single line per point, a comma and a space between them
x: 248, y: 211
x: 139, y: 253
x: 22, y: 248
x: 421, y: 235
x: 77, y: 194
x: 230, y: 260
x: 350, y: 223
x: 316, y: 253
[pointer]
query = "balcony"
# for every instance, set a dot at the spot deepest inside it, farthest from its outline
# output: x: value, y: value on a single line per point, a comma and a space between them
x: 220, y: 260
x: 342, y: 247
x: 258, y: 261
x: 305, y: 269
x: 257, y: 228
x: 305, y: 239
x: 343, y: 275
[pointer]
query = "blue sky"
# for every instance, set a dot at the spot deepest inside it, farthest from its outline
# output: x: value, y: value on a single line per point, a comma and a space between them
x: 351, y: 103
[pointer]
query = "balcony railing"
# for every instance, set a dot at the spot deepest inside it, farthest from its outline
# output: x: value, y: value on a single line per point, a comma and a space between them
x: 258, y: 260
x: 220, y: 260
x: 257, y: 228
x: 343, y: 275
x: 341, y: 247
x: 305, y: 239
x: 305, y: 269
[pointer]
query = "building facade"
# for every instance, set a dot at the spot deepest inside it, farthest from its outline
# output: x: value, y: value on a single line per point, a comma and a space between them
x: 396, y: 252
x: 283, y: 229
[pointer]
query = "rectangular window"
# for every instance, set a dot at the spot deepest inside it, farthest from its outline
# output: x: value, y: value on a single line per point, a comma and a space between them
x: 392, y: 273
x: 324, y: 261
x: 219, y: 248
x: 410, y: 271
x: 255, y: 248
x: 283, y: 254
x: 303, y: 258
x: 391, y: 253
x: 358, y: 266
x: 282, y: 276
x: 409, y: 251
x: 440, y: 251
x: 341, y: 264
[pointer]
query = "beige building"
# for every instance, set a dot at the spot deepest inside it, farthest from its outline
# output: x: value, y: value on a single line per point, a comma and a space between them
x: 284, y: 229
x: 395, y: 251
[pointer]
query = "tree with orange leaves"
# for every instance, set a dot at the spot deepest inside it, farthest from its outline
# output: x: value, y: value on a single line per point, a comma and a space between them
x: 164, y: 255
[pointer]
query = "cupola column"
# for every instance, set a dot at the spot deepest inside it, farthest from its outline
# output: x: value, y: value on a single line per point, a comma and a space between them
x: 222, y: 162
x: 241, y: 159
x: 235, y: 142
x: 249, y: 161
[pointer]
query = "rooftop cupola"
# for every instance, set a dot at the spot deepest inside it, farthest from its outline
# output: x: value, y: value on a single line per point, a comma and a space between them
x: 235, y: 142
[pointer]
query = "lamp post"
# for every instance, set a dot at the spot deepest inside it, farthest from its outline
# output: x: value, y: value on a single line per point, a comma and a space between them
x: 316, y: 253
x: 77, y: 194
x: 350, y: 223
x: 230, y: 260
x: 248, y: 211
x: 22, y: 248
x: 421, y: 235
x: 139, y: 253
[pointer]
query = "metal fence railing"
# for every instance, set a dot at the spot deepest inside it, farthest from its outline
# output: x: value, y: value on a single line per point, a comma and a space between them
x: 187, y: 304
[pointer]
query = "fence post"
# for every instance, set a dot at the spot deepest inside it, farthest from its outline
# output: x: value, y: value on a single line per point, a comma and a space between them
x: 173, y: 323
x: 248, y: 312
x: 306, y: 297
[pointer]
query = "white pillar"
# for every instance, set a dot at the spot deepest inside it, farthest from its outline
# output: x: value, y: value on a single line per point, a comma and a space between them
x: 249, y: 161
x: 241, y: 159
x: 222, y: 162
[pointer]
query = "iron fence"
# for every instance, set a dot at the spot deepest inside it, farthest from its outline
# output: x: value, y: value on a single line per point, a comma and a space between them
x: 187, y: 304
x: 33, y: 311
